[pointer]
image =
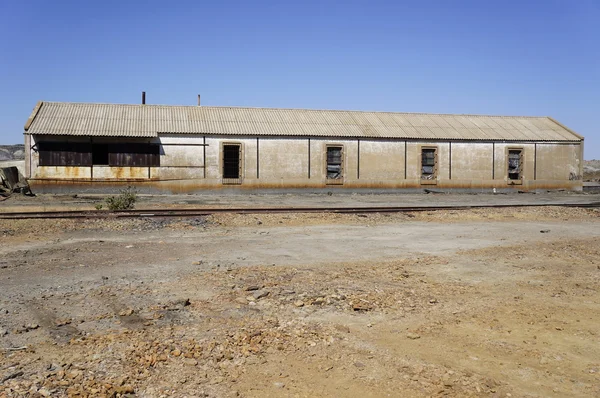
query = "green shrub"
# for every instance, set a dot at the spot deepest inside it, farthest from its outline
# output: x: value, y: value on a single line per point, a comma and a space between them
x: 125, y: 201
x: 98, y: 206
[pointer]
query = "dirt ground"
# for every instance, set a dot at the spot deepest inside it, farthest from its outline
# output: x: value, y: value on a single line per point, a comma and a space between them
x: 465, y: 303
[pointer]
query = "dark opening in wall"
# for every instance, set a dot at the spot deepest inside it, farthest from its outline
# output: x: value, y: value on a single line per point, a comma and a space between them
x: 232, y: 155
x: 87, y: 154
x: 100, y: 154
x: 65, y: 153
x: 134, y: 155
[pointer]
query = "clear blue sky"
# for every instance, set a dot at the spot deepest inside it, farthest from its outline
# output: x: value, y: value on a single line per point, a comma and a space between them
x: 482, y: 57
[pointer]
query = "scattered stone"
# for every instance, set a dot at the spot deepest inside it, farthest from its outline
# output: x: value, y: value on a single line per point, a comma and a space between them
x: 190, y: 361
x: 252, y: 288
x: 319, y: 301
x: 44, y: 392
x: 241, y: 300
x: 413, y: 336
x: 197, y: 263
x: 52, y: 367
x: 3, y: 332
x: 278, y: 384
x: 126, y: 389
x: 17, y: 348
x: 11, y: 376
x: 178, y: 304
x: 361, y: 307
x: 258, y: 294
x: 31, y: 326
x: 62, y: 322
x: 545, y: 231
x: 299, y: 303
x: 359, y: 365
x: 126, y: 312
x: 342, y: 328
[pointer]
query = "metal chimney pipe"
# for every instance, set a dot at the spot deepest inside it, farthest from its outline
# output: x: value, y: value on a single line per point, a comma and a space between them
x: 143, y: 98
x: 198, y: 99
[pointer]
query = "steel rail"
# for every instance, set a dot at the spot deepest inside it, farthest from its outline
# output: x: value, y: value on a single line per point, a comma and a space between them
x: 193, y: 212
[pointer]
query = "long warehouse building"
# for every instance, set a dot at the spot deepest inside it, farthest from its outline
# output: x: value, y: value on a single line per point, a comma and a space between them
x: 163, y: 148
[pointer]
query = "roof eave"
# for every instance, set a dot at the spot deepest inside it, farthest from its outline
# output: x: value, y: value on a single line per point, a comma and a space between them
x: 34, y: 113
x: 566, y: 128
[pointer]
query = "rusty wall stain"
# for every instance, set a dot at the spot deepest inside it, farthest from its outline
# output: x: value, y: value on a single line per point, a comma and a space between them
x: 190, y: 186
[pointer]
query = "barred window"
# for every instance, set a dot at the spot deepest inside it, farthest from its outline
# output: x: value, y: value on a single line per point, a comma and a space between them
x: 515, y: 164
x: 335, y: 164
x: 428, y: 163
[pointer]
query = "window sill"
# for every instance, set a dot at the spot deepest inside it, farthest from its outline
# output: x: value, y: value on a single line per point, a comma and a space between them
x: 231, y: 181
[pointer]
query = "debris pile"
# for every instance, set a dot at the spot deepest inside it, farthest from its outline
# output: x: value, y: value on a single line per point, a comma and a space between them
x: 12, y: 181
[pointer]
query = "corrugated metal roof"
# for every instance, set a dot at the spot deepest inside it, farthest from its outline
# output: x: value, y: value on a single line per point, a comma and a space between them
x: 120, y: 120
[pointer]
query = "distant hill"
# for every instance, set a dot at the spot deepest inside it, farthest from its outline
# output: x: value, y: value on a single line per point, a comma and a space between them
x: 591, y: 170
x: 12, y: 152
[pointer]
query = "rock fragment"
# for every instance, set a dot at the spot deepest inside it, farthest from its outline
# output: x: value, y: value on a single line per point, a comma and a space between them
x: 258, y: 294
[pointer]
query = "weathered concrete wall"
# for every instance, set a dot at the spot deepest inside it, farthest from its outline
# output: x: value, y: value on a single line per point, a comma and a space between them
x: 195, y: 163
x: 558, y: 162
x: 381, y: 161
x: 118, y: 173
x: 180, y: 154
x: 64, y: 172
x: 282, y: 160
x: 472, y: 161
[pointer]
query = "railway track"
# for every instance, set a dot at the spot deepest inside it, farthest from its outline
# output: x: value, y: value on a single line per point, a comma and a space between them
x: 257, y: 210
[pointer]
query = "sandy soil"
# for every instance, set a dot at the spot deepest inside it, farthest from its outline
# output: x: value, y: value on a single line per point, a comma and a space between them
x: 445, y: 303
